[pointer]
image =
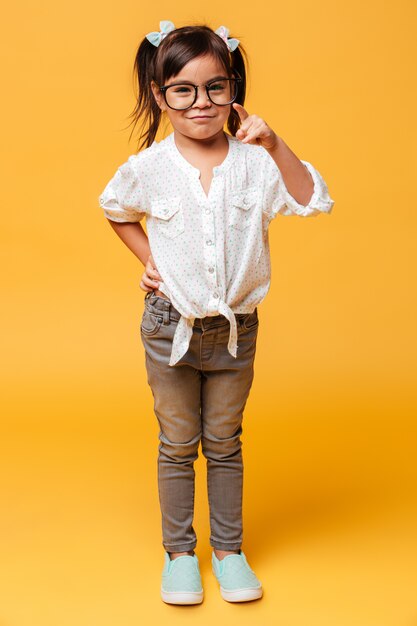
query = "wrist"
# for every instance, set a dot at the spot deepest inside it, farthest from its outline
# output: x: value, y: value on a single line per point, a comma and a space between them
x: 274, y: 145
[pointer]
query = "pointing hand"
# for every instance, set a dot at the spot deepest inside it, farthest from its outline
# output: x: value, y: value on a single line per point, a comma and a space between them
x: 254, y: 129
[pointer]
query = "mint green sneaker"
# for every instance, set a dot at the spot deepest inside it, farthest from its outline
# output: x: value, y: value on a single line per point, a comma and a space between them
x: 181, y: 580
x: 238, y: 582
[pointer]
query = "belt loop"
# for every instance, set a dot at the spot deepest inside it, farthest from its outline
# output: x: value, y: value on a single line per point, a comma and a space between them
x: 167, y: 306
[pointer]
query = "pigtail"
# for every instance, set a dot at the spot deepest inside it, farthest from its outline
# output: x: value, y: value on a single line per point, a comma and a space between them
x: 239, y: 62
x: 146, y: 108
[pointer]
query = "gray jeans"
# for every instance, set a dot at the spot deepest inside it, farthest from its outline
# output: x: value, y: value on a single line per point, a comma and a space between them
x: 201, y: 397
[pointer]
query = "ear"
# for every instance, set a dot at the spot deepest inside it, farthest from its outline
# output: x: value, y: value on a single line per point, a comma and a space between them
x: 158, y: 96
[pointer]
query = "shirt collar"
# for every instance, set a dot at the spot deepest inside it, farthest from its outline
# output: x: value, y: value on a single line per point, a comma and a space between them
x: 190, y: 169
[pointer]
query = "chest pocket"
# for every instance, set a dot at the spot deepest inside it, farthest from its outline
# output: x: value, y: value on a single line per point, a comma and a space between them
x: 169, y: 216
x: 242, y: 209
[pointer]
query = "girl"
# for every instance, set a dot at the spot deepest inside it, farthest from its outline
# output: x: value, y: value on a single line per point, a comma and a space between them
x: 208, y: 197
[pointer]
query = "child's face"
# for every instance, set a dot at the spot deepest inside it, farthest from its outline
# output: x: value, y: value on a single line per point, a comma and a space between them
x: 199, y: 71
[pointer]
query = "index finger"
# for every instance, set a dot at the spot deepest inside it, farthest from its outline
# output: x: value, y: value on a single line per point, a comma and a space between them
x: 242, y: 112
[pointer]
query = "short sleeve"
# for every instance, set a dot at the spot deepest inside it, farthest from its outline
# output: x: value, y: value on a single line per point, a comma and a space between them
x: 277, y: 198
x: 121, y: 198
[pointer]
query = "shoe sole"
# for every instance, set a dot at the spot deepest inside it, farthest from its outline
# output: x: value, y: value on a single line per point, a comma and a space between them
x: 241, y: 595
x: 182, y: 597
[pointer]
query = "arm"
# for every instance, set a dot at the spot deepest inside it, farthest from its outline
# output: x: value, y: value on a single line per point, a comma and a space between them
x: 293, y: 187
x: 135, y: 238
x: 302, y: 192
x: 297, y: 178
x: 122, y: 206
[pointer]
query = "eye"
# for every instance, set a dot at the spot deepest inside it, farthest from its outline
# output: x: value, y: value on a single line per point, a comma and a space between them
x: 218, y: 86
x: 181, y: 89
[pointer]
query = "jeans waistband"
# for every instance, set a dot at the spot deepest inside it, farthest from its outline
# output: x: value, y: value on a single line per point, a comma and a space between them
x: 163, y: 306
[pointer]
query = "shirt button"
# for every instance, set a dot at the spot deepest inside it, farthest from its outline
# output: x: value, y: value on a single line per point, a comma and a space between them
x: 208, y: 211
x: 216, y: 295
x: 209, y: 242
x: 211, y: 269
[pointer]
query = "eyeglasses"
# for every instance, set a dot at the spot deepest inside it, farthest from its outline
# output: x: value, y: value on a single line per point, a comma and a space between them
x: 181, y: 96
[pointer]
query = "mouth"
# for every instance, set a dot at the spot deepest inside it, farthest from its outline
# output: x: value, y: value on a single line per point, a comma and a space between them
x: 201, y: 117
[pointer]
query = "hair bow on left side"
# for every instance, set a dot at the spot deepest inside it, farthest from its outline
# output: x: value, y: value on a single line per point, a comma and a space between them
x: 223, y: 32
x: 156, y: 37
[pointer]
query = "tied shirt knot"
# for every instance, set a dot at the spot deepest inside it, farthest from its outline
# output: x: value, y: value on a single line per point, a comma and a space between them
x: 184, y: 332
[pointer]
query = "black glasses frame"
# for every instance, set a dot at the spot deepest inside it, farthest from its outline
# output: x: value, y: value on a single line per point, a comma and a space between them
x: 237, y: 81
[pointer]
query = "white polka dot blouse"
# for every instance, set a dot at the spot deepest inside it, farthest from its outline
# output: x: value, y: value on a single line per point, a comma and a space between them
x: 211, y: 251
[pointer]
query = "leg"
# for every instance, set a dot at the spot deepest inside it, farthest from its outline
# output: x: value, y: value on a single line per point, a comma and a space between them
x: 226, y: 385
x: 176, y: 391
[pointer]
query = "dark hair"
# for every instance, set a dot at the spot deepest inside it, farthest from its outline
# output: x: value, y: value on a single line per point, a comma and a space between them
x: 160, y: 63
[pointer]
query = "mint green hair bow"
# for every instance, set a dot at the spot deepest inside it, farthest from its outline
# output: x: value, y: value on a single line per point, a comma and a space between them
x: 166, y: 26
x: 223, y: 32
x: 156, y: 37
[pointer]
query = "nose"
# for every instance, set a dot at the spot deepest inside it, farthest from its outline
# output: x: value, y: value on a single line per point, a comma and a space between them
x: 202, y: 97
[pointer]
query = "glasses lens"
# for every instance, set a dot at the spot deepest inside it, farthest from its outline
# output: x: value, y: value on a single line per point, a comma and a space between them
x: 222, y: 91
x: 182, y: 96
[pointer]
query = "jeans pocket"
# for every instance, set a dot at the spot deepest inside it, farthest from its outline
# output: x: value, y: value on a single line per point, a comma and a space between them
x: 251, y: 320
x: 150, y: 323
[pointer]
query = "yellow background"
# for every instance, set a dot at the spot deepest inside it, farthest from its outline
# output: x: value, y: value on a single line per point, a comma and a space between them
x: 330, y: 511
